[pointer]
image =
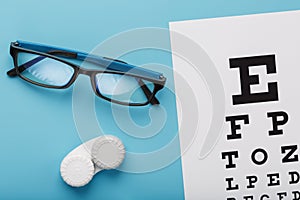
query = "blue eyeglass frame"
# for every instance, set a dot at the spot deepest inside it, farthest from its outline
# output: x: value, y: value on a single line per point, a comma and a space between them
x: 110, y: 65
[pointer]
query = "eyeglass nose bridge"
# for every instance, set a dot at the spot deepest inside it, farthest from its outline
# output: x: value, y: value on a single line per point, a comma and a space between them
x: 85, y: 72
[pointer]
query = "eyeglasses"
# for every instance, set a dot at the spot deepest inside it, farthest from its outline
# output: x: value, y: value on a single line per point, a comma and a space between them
x: 115, y: 81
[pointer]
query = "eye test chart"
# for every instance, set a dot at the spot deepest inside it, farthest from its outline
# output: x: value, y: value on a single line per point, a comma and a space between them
x: 255, y: 153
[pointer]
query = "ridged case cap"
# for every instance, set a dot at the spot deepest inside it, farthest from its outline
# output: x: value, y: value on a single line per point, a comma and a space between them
x: 108, y: 152
x: 77, y: 170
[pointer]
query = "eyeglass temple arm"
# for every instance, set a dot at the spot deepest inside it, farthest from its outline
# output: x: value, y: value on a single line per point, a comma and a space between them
x: 153, y: 100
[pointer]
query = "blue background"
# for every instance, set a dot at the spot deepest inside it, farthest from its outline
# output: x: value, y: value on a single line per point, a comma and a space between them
x: 36, y: 125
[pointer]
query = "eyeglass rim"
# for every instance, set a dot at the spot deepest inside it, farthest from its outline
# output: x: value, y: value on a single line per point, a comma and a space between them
x: 108, y: 63
x: 15, y: 50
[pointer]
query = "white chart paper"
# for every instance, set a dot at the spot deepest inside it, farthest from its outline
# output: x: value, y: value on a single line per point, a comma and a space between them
x: 255, y: 154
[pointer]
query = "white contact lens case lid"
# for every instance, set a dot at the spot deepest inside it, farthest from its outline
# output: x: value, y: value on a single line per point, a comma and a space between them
x: 108, y: 152
x: 77, y: 170
x: 79, y: 166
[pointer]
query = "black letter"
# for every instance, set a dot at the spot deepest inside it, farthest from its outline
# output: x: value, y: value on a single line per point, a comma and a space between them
x: 291, y: 150
x: 248, y: 197
x: 247, y: 80
x: 277, y: 122
x: 264, y: 196
x: 252, y: 180
x: 235, y: 127
x: 263, y: 161
x: 296, y: 195
x: 274, y: 179
x: 230, y: 187
x: 281, y: 195
x: 294, y: 180
x: 230, y: 155
x: 231, y: 198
